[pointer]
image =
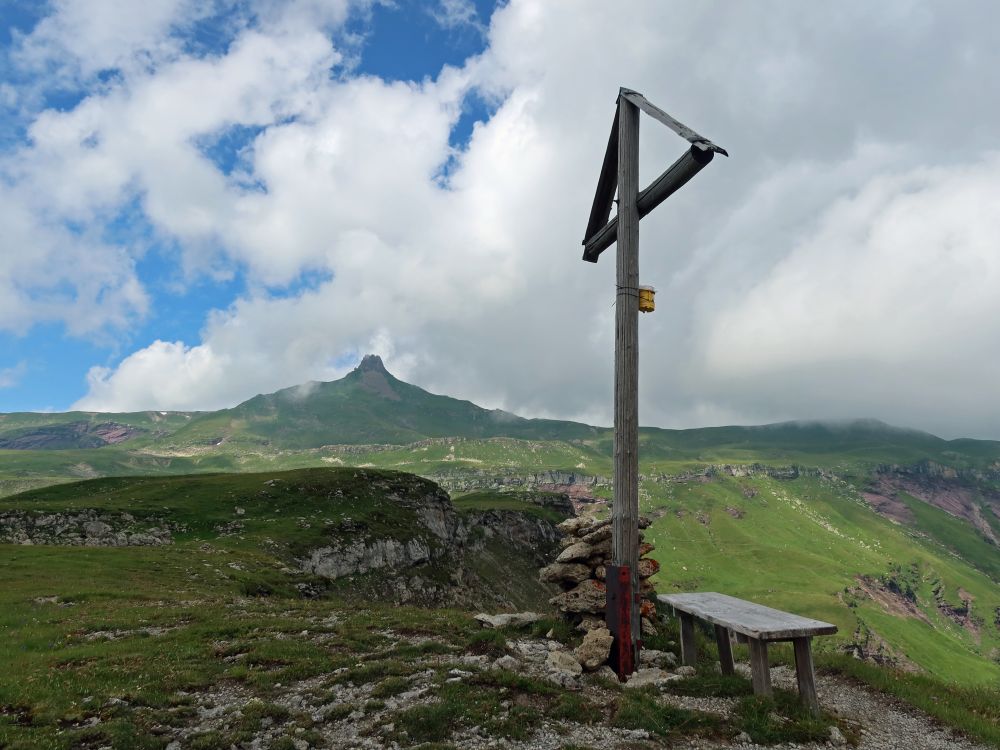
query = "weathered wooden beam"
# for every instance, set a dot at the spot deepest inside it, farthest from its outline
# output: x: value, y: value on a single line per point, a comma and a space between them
x: 678, y: 127
x: 689, y: 648
x: 604, y: 196
x: 805, y: 674
x: 668, y: 183
x: 625, y: 510
x: 760, y: 671
x: 725, y: 650
x: 747, y: 618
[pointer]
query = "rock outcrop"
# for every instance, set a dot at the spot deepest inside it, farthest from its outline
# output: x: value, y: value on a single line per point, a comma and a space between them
x: 433, y: 554
x: 88, y: 528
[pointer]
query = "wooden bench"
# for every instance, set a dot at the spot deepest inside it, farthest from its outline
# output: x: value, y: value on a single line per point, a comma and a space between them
x: 760, y: 625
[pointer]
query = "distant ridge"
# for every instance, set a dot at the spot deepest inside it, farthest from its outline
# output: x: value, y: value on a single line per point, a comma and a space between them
x: 370, y: 405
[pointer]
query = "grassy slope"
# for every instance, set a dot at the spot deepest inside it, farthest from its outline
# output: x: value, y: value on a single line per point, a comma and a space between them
x: 157, y: 627
x: 799, y: 544
x: 778, y: 546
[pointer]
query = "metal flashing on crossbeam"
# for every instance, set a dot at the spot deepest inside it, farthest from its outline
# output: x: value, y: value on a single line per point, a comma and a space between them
x: 678, y: 127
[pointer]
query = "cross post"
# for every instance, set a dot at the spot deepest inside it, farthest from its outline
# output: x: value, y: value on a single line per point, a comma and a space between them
x: 621, y: 170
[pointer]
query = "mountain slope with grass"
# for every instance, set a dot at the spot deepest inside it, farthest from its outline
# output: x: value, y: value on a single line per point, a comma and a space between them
x: 160, y: 610
x: 369, y: 405
x: 891, y: 533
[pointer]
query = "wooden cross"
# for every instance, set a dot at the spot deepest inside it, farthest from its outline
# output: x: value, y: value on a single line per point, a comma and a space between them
x: 621, y: 170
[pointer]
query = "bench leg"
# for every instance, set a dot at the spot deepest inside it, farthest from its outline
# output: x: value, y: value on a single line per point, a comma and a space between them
x: 806, y: 675
x: 759, y: 669
x: 725, y: 650
x: 689, y: 651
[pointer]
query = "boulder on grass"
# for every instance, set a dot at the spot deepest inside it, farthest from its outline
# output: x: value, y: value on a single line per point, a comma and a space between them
x: 516, y: 619
x: 595, y: 649
x: 649, y: 676
x: 563, y: 661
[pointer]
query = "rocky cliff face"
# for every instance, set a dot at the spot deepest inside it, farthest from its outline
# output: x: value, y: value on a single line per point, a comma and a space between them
x: 446, y: 557
x: 83, y: 528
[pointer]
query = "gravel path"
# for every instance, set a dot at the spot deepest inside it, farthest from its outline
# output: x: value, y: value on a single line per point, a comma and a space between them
x: 882, y: 722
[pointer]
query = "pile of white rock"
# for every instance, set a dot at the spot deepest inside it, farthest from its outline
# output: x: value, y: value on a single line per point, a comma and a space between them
x: 565, y: 666
x: 581, y: 569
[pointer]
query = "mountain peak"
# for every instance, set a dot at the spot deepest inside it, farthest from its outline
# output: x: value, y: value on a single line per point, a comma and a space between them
x: 372, y: 363
x: 375, y: 378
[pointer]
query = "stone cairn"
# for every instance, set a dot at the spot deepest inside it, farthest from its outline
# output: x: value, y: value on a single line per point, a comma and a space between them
x: 580, y: 569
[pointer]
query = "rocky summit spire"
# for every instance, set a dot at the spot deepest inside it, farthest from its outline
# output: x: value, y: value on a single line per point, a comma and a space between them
x: 375, y: 378
x: 372, y: 363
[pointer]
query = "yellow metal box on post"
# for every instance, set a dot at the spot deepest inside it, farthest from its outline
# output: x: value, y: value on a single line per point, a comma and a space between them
x: 647, y: 299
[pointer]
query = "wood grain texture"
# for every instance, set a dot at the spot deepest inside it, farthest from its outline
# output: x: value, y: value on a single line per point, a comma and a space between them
x: 725, y: 650
x: 689, y: 649
x: 805, y: 674
x: 625, y: 508
x: 668, y: 183
x: 604, y: 196
x: 678, y: 127
x: 760, y: 670
x: 752, y: 620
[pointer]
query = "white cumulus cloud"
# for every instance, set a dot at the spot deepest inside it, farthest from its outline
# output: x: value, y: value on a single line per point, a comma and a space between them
x: 839, y: 264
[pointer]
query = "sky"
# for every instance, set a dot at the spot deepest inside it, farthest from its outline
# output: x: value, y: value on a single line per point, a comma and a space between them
x: 205, y: 200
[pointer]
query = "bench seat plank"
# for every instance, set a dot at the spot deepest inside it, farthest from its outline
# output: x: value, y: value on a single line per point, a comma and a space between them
x: 752, y: 620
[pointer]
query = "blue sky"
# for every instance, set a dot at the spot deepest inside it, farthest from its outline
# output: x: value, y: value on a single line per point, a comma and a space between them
x: 46, y: 367
x: 202, y: 201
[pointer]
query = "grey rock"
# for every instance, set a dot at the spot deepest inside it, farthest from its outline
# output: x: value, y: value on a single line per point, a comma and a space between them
x: 575, y: 553
x: 589, y: 597
x: 570, y: 572
x: 96, y: 529
x: 593, y: 652
x: 506, y: 662
x: 655, y: 658
x: 360, y: 556
x: 594, y: 537
x: 589, y: 623
x: 516, y: 619
x: 563, y: 661
x: 565, y: 680
x: 648, y: 676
